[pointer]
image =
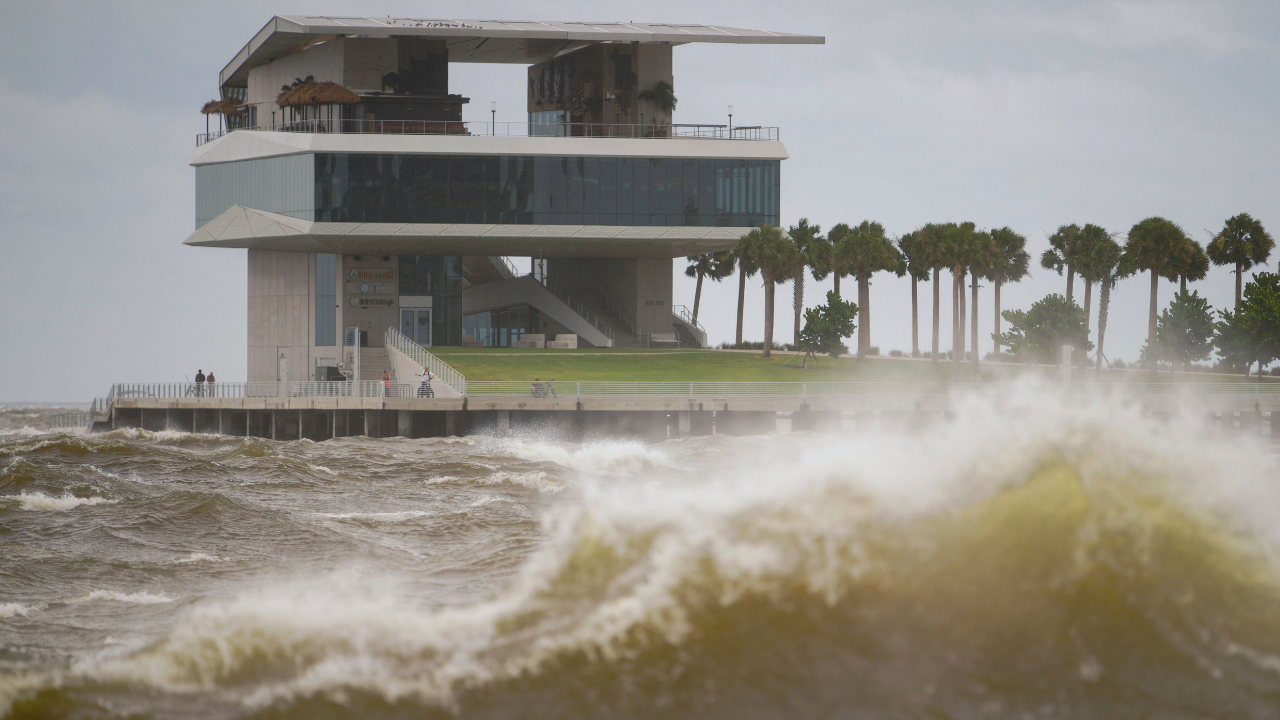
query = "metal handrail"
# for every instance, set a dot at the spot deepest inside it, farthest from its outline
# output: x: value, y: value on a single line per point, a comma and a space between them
x: 684, y: 314
x: 563, y: 294
x: 510, y: 129
x: 445, y: 372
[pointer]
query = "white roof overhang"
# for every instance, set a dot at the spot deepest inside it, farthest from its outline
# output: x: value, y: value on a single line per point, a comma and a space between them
x: 483, y: 41
x: 242, y: 227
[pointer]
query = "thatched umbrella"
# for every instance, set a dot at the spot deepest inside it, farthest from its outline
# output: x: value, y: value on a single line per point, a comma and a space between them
x: 315, y: 94
x: 226, y: 107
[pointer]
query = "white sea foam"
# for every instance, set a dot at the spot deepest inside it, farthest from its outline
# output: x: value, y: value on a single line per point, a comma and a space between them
x: 785, y: 506
x: 23, y: 431
x: 141, y: 597
x: 399, y: 516
x: 8, y: 610
x: 534, y: 480
x: 600, y: 457
x: 40, y: 501
x: 199, y: 557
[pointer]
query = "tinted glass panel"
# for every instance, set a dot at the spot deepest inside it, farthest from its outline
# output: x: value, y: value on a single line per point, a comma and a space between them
x: 540, y: 190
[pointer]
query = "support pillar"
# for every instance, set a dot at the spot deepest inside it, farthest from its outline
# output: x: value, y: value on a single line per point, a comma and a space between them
x: 404, y: 424
x: 451, y: 423
x: 683, y: 423
x: 369, y: 416
x: 503, y: 418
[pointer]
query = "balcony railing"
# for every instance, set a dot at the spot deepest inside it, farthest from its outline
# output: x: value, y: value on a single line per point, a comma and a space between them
x: 511, y: 129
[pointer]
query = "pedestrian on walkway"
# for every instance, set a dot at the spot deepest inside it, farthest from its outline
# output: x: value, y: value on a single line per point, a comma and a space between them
x: 386, y: 383
x: 424, y: 390
x: 200, y: 383
x: 209, y: 383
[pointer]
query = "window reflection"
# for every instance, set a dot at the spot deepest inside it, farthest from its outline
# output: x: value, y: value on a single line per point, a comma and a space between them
x: 545, y: 190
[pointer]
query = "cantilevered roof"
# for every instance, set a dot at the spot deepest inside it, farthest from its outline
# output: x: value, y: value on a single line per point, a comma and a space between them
x: 242, y: 227
x: 488, y: 41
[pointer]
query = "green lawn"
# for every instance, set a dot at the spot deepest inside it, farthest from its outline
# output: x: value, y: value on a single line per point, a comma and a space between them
x: 709, y: 365
x: 690, y: 365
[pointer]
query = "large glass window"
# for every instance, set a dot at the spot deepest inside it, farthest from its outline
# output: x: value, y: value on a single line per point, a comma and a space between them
x: 545, y: 190
x: 501, y: 328
x: 440, y: 278
x: 326, y: 299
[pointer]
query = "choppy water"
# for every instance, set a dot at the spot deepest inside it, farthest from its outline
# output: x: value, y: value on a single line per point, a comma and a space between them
x: 1029, y: 561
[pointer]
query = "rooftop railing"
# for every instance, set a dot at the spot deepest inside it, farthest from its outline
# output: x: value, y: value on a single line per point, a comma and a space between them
x: 511, y: 129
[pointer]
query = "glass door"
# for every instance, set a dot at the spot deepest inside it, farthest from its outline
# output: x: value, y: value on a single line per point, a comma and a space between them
x: 416, y: 325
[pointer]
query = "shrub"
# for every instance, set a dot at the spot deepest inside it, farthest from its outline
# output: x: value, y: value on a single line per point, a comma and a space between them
x: 873, y: 350
x: 897, y: 353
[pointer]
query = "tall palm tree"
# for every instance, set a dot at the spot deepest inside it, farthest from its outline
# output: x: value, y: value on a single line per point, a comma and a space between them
x: 745, y: 269
x: 1064, y: 247
x: 917, y: 258
x: 768, y: 249
x: 865, y: 250
x: 1009, y: 263
x: 981, y: 257
x: 933, y: 239
x: 830, y: 263
x: 810, y: 252
x: 1103, y: 265
x: 1190, y: 262
x: 1153, y: 246
x: 956, y: 251
x: 1243, y: 242
x: 717, y: 266
x: 1090, y: 237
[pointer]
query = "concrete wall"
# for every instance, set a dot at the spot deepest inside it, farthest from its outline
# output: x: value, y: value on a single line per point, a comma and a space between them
x: 654, y: 66
x: 281, y: 316
x: 366, y: 60
x: 324, y: 62
x: 376, y: 307
x: 642, y: 285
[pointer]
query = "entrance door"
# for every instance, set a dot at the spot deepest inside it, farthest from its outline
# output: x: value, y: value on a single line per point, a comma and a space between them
x: 416, y: 325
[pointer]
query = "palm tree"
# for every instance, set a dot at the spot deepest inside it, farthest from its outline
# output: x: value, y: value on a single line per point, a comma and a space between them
x: 1153, y: 246
x: 769, y: 250
x: 1061, y: 255
x: 1103, y: 265
x: 956, y: 251
x: 1090, y: 236
x: 809, y: 254
x: 717, y: 266
x: 830, y: 263
x: 1190, y: 262
x: 932, y: 241
x: 981, y: 256
x: 916, y: 256
x: 1243, y: 242
x: 1009, y: 263
x: 864, y: 251
x: 745, y: 269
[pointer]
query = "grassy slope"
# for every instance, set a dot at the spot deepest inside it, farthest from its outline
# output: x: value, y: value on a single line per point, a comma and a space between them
x: 507, y: 364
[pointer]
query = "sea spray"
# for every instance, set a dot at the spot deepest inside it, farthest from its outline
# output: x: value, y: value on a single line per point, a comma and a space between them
x: 1037, y: 555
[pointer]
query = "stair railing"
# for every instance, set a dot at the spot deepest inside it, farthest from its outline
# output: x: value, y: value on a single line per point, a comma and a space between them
x: 351, y: 356
x: 451, y: 377
x: 565, y: 297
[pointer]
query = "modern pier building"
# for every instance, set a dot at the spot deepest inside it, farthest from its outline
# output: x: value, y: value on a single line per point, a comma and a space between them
x: 342, y: 163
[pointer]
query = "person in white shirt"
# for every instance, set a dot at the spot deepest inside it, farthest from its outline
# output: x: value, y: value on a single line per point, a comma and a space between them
x: 424, y: 390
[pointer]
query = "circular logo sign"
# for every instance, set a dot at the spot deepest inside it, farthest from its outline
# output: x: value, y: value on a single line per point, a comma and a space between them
x: 354, y: 274
x: 355, y: 301
x: 364, y: 288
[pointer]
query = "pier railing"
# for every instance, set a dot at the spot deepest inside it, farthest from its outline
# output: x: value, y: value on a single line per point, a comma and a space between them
x: 211, y: 391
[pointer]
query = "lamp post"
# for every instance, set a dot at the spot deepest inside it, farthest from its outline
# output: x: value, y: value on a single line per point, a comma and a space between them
x: 493, y: 114
x: 731, y: 121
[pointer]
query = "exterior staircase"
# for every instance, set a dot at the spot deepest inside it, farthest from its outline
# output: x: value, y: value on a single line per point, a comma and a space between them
x: 595, y: 301
x: 374, y: 362
x: 687, y: 339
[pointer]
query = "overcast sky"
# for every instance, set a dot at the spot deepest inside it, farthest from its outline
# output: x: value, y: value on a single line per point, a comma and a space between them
x: 1027, y: 114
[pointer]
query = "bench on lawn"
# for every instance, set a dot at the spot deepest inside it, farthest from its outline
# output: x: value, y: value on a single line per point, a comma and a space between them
x: 666, y: 338
x: 529, y: 340
x: 564, y: 342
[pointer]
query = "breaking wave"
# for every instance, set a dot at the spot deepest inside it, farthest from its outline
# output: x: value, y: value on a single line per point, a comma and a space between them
x: 40, y: 501
x: 1046, y: 559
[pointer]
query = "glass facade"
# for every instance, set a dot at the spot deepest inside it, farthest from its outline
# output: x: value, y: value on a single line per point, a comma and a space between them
x: 326, y: 299
x: 501, y: 328
x: 352, y: 187
x: 439, y: 277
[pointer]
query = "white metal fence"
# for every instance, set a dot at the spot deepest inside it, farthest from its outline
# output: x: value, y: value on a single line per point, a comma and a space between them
x: 443, y: 371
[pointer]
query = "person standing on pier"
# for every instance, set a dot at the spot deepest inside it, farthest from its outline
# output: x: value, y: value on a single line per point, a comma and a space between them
x: 424, y: 390
x: 209, y: 383
x: 200, y: 383
x: 386, y: 383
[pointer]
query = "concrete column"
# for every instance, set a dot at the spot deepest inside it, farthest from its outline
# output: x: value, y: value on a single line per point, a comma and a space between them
x: 168, y: 418
x: 504, y: 421
x: 273, y: 424
x: 683, y: 423
x: 369, y: 417
x: 404, y: 424
x: 451, y: 423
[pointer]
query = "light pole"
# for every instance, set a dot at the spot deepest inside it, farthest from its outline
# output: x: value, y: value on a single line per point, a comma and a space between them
x: 730, y: 121
x: 493, y: 114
